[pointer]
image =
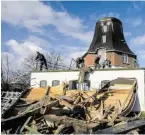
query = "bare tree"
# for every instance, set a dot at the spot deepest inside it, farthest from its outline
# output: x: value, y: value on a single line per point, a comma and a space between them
x: 20, y: 77
x: 30, y: 63
x: 5, y: 68
x: 54, y: 61
x: 10, y: 76
x: 5, y: 72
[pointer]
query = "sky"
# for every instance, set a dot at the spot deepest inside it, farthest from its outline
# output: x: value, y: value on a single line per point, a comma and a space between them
x: 66, y: 28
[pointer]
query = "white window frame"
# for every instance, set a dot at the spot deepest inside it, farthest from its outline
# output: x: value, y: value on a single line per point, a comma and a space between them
x: 42, y: 83
x: 57, y: 81
x: 104, y: 28
x: 104, y: 38
x: 125, y: 58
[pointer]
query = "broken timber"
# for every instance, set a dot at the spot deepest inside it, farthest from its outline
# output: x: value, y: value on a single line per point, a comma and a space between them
x: 80, y: 126
x: 122, y: 128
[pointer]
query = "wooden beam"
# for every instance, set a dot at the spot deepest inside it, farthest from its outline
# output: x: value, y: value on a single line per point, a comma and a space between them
x: 80, y: 126
x: 63, y: 102
x: 122, y: 128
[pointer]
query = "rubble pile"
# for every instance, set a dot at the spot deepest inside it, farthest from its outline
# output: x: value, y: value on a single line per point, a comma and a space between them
x: 57, y: 110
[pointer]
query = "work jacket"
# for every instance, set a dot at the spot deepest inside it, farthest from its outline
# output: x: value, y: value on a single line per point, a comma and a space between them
x: 40, y: 57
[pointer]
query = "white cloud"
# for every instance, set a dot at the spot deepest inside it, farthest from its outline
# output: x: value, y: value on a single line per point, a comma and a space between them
x: 77, y: 54
x: 22, y: 48
x: 72, y: 51
x: 139, y: 40
x: 127, y: 34
x: 73, y: 54
x: 17, y: 51
x: 41, y: 42
x: 35, y: 15
x: 8, y: 58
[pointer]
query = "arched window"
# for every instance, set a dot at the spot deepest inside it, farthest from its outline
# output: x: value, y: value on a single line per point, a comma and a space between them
x: 125, y: 58
x: 104, y: 28
x: 55, y: 82
x: 104, y: 39
x: 43, y: 83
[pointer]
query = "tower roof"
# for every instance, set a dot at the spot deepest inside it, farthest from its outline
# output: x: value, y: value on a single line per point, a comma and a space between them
x: 109, y: 34
x: 110, y: 19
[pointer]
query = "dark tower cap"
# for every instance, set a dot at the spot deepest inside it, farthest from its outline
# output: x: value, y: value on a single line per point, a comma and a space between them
x: 109, y: 34
x: 110, y: 19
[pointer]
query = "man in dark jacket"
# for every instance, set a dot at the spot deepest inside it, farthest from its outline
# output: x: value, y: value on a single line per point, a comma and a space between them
x: 97, y: 60
x: 40, y: 57
x: 79, y: 62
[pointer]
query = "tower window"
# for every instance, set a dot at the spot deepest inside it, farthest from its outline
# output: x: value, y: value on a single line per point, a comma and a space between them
x: 104, y: 28
x: 104, y: 39
x: 125, y: 58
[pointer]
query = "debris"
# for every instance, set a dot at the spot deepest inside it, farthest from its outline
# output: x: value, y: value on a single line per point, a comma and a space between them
x: 60, y: 111
x: 122, y: 128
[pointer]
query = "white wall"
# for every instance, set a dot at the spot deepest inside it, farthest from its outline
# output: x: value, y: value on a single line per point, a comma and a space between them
x: 96, y: 79
x: 36, y: 77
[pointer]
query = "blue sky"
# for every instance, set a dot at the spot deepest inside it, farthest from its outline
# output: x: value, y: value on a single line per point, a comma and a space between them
x: 65, y: 27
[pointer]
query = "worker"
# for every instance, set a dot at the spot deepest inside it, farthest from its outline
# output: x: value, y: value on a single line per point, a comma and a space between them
x: 79, y: 62
x: 40, y: 57
x: 107, y: 64
x: 136, y: 65
x: 97, y: 60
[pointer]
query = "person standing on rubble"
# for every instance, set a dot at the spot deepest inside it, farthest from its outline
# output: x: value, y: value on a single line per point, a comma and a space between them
x: 40, y: 57
x: 97, y: 60
x: 79, y: 62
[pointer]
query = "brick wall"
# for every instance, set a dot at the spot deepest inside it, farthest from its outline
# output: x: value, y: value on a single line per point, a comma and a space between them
x: 114, y: 57
x: 116, y: 60
x: 89, y: 60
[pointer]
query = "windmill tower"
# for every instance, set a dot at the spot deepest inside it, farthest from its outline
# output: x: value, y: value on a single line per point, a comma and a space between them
x: 109, y: 42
